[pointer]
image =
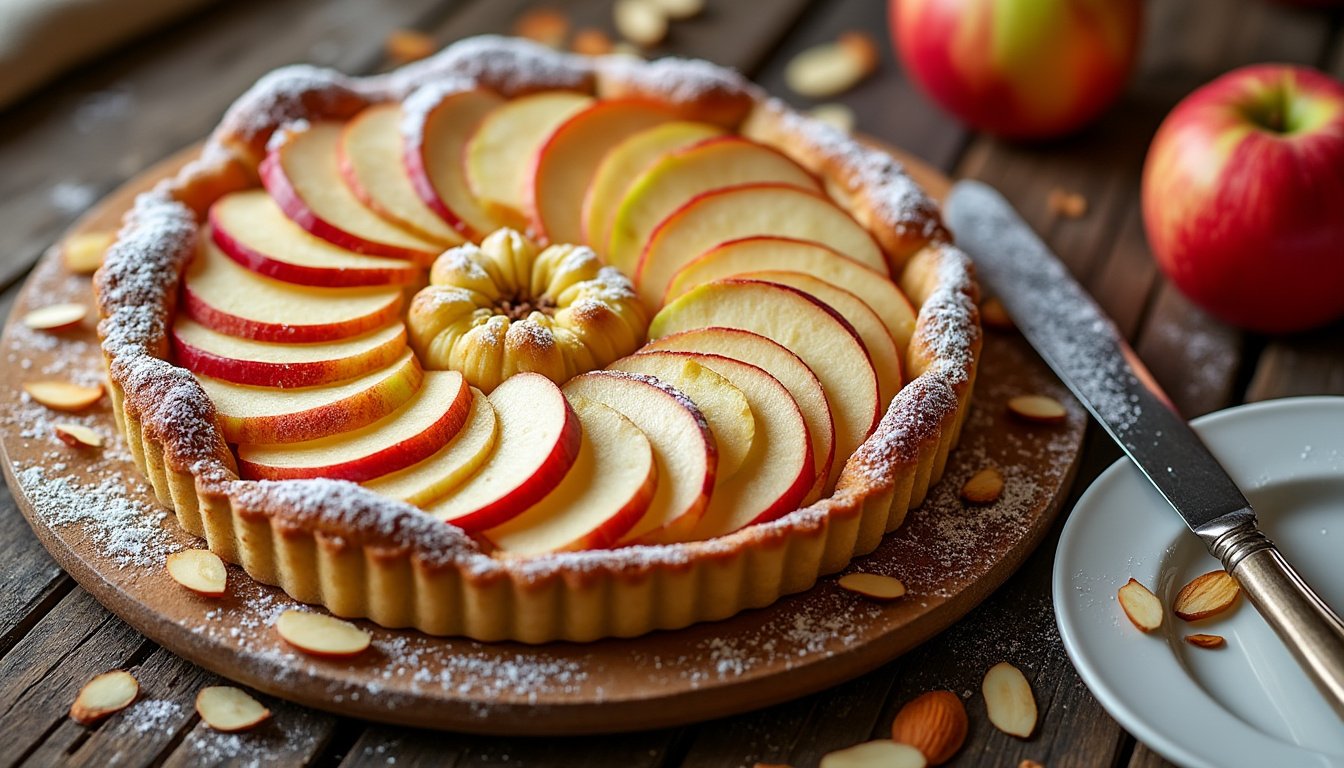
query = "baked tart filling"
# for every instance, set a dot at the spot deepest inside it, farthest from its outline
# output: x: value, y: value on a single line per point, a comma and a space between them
x: 523, y: 345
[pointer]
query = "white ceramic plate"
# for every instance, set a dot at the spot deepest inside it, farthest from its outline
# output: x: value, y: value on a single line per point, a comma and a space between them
x: 1247, y: 704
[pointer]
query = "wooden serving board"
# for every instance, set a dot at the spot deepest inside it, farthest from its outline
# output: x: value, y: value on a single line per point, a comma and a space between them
x: 97, y: 517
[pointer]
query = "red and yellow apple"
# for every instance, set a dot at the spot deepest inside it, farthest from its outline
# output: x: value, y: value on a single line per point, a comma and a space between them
x: 1019, y: 68
x: 1243, y: 197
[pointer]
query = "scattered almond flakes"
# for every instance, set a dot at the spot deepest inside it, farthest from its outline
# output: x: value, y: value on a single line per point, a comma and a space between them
x: 829, y: 69
x: 1070, y: 205
x: 984, y: 487
x: 60, y: 395
x: 1140, y: 605
x: 1208, y: 595
x: 229, y: 710
x: 403, y: 46
x: 547, y: 26
x: 321, y: 635
x: 56, y: 317
x: 77, y: 435
x: 641, y: 22
x: 83, y: 253
x: 872, y: 585
x: 103, y: 695
x: 837, y: 115
x: 882, y: 753
x: 591, y: 41
x: 200, y: 571
x: 1206, y: 641
x: 1037, y: 408
x: 1009, y: 700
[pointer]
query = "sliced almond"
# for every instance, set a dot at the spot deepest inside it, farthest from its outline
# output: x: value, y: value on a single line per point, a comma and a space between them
x: 1037, y: 408
x: 1208, y: 595
x: 836, y: 115
x: 547, y: 26
x: 591, y: 42
x: 103, y: 695
x: 934, y: 723
x: 641, y: 22
x: 1140, y: 605
x: 403, y: 46
x: 680, y: 10
x: 872, y: 585
x: 875, y: 754
x: 63, y: 395
x: 1009, y: 701
x: 199, y: 570
x: 229, y: 710
x: 830, y: 69
x: 83, y: 253
x: 994, y: 315
x: 1062, y: 202
x: 77, y: 435
x: 56, y: 317
x: 1206, y: 641
x: 984, y: 487
x: 321, y: 635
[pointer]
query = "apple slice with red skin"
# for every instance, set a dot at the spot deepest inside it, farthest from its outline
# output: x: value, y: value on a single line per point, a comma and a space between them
x: 778, y: 473
x: 373, y: 165
x: 302, y: 172
x: 724, y: 406
x: 252, y: 230
x: 623, y: 163
x: 451, y: 465
x: 881, y: 347
x: 807, y: 326
x: 735, y: 257
x: 568, y: 159
x: 720, y: 215
x: 219, y: 293
x: 539, y: 437
x: 786, y: 367
x: 607, y: 491
x: 268, y: 364
x: 683, y: 448
x: 271, y: 415
x: 434, y: 136
x: 665, y: 186
x: 500, y: 154
x: 417, y: 429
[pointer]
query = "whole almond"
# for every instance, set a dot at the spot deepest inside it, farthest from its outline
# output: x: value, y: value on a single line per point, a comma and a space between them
x: 1206, y: 641
x: 1009, y: 700
x: 1140, y: 605
x: 1208, y: 595
x: 984, y: 487
x: 934, y: 723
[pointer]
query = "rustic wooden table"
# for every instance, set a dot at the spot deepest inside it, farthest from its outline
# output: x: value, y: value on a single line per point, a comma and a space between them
x: 98, y: 126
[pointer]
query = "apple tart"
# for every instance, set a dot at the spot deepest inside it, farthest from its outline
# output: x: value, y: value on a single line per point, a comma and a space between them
x: 516, y: 344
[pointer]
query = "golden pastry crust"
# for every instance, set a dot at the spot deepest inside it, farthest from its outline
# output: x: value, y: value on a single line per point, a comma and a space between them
x: 363, y: 555
x: 508, y: 306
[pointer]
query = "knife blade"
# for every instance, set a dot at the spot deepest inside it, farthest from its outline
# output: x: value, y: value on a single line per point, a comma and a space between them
x: 1086, y: 350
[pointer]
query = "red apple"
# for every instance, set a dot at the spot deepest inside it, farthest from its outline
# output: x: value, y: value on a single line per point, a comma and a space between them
x: 1018, y: 68
x: 1243, y: 197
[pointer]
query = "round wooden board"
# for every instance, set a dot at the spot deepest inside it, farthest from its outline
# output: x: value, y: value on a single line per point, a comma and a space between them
x: 950, y: 556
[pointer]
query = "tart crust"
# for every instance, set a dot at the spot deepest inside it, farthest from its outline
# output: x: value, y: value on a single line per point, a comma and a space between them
x: 364, y: 555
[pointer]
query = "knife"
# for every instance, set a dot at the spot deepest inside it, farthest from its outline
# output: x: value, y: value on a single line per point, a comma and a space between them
x: 1086, y: 350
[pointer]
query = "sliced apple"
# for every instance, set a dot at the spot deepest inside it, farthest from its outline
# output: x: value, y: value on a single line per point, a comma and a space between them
x: 271, y: 415
x: 801, y: 323
x: 539, y: 436
x: 451, y: 465
x: 786, y: 367
x: 607, y: 491
x: 872, y: 332
x: 500, y: 154
x: 734, y: 257
x: 252, y: 230
x: 682, y: 175
x: 568, y: 158
x: 221, y: 294
x: 269, y: 364
x: 748, y: 210
x: 435, y: 140
x: 683, y: 448
x: 419, y: 428
x: 622, y: 164
x: 778, y: 473
x: 724, y: 406
x: 302, y: 171
x: 372, y: 158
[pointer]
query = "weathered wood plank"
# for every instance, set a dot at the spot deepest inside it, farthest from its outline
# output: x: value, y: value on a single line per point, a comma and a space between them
x: 294, y: 735
x: 33, y: 581
x: 88, y: 132
x: 1144, y: 757
x: 1306, y: 364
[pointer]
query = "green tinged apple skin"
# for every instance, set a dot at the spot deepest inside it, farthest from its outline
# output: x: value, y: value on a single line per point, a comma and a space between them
x: 1243, y: 190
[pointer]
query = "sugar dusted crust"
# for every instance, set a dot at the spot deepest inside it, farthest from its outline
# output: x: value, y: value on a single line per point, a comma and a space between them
x: 364, y: 555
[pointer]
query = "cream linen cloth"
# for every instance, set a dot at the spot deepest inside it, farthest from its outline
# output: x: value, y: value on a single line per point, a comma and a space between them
x: 39, y: 39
